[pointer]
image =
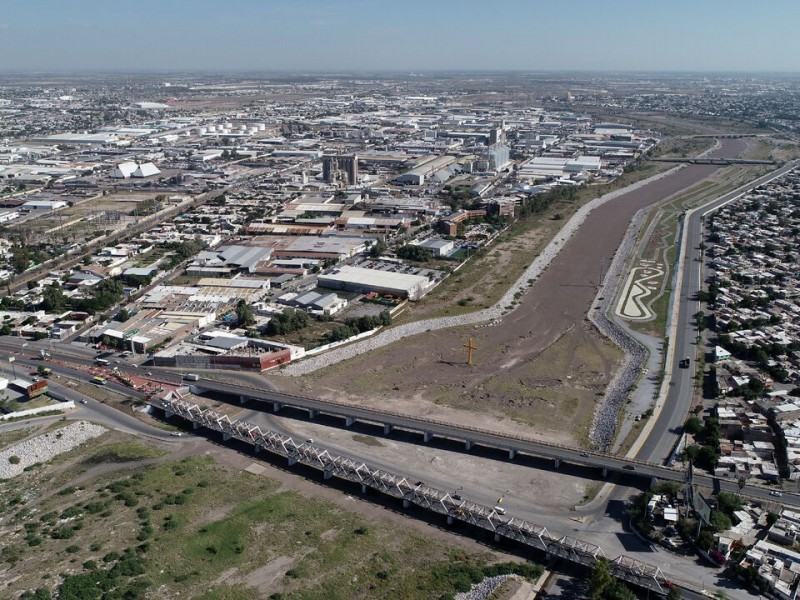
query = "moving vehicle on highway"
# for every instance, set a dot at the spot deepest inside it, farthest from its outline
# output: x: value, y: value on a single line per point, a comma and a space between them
x: 684, y: 363
x: 101, y: 361
x: 192, y: 377
x: 98, y: 380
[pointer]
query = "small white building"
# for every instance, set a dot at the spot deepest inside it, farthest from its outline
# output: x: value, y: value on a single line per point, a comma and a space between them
x: 44, y: 205
x: 124, y: 170
x: 721, y: 354
x: 146, y: 170
x: 440, y: 247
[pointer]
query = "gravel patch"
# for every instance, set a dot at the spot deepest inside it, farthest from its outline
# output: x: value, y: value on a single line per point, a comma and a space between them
x: 484, y: 589
x: 46, y: 446
x: 495, y: 313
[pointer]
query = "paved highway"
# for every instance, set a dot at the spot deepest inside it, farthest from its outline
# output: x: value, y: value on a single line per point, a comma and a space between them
x: 668, y: 426
x: 442, y: 430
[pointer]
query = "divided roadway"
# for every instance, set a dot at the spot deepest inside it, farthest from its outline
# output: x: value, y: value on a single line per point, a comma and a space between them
x: 669, y: 422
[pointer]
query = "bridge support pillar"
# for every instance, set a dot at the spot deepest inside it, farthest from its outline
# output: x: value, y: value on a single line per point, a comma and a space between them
x: 387, y: 429
x: 605, y: 471
x: 496, y: 538
x: 168, y: 414
x: 242, y: 399
x: 364, y: 488
x: 427, y: 436
x: 226, y: 437
x: 348, y: 421
x: 277, y: 406
x: 557, y: 462
x: 512, y: 454
x: 257, y: 448
x: 406, y: 503
x: 449, y: 520
x: 312, y: 413
x: 653, y: 482
x: 328, y: 475
x: 468, y: 445
x: 195, y: 425
x: 292, y: 460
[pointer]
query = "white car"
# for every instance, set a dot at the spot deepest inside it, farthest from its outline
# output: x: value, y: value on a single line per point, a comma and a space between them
x: 84, y: 401
x: 176, y: 434
x: 776, y: 494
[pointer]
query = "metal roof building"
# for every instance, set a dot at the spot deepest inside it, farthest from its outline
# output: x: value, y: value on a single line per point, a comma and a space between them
x: 357, y: 279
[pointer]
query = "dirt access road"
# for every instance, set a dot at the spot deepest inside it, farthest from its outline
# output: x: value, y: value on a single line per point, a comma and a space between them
x: 543, y: 366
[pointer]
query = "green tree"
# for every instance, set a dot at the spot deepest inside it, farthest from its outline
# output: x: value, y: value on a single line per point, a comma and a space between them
x: 705, y: 540
x: 53, y: 299
x: 600, y: 580
x: 693, y: 425
x: 244, y: 314
x: 20, y: 258
x: 708, y: 457
x: 674, y: 593
x: 123, y: 315
x: 692, y: 452
x: 728, y: 502
x: 720, y: 521
x: 415, y: 253
x: 378, y: 248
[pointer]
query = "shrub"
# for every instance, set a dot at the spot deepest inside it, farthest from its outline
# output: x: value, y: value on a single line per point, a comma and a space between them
x: 62, y: 533
x: 14, y: 459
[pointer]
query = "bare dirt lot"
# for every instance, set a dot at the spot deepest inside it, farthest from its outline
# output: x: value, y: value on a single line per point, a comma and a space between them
x: 544, y: 365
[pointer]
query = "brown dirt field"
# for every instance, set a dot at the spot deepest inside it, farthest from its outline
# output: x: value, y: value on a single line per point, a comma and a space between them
x: 544, y: 365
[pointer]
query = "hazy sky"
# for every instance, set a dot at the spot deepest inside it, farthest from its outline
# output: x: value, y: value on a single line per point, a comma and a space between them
x: 351, y: 35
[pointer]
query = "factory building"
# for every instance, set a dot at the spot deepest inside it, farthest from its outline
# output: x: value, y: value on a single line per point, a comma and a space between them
x: 427, y: 168
x: 340, y: 168
x: 357, y: 279
x: 229, y: 352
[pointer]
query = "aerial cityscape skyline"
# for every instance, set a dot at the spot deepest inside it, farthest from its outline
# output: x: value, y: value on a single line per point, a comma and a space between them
x: 355, y: 35
x: 333, y: 299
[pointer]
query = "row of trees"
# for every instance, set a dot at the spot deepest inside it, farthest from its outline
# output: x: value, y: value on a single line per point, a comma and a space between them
x: 287, y: 321
x: 416, y: 253
x: 360, y: 325
x: 537, y: 203
x: 100, y: 297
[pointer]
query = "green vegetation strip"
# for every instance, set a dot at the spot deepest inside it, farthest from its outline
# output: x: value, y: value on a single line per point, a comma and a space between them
x: 193, y: 528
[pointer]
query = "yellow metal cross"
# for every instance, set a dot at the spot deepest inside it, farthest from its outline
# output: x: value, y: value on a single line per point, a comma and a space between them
x: 470, y: 348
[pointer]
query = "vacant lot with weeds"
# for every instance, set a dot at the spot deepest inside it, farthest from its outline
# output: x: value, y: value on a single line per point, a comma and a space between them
x: 117, y: 518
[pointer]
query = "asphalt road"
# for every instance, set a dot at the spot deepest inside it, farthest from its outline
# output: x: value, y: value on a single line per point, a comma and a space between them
x: 253, y: 388
x: 669, y: 423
